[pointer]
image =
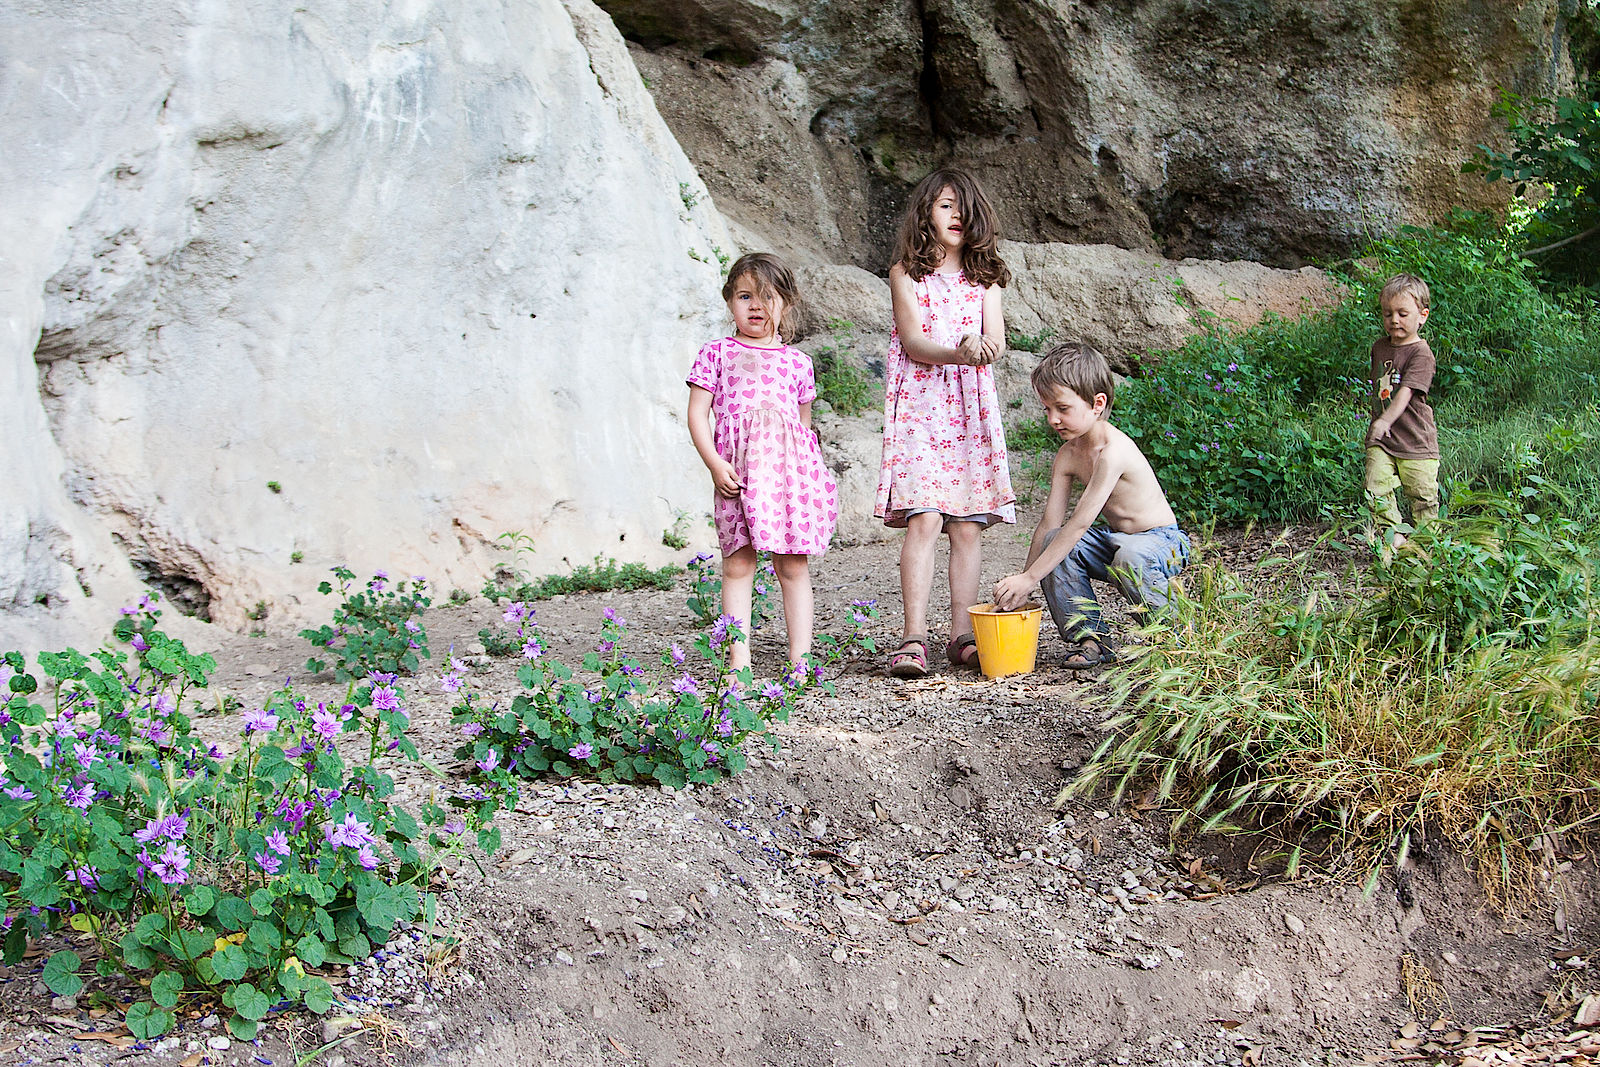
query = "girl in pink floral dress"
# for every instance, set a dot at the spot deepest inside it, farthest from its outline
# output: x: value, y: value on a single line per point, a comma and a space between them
x: 773, y: 492
x: 944, y: 449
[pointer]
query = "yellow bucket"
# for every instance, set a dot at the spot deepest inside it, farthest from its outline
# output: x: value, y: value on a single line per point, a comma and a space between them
x: 1008, y: 641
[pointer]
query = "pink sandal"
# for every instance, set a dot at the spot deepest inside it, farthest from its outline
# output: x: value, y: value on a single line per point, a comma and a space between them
x: 910, y: 660
x: 962, y: 651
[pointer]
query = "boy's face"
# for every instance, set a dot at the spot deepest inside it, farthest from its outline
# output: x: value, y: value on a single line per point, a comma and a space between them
x: 1068, y: 414
x: 1402, y: 318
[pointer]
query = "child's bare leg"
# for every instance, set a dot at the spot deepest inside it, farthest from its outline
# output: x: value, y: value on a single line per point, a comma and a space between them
x: 917, y: 553
x: 738, y: 584
x: 966, y: 567
x: 794, y: 578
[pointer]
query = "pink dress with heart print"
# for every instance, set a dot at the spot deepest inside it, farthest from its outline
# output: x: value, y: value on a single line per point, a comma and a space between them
x: 789, y: 503
x: 944, y: 448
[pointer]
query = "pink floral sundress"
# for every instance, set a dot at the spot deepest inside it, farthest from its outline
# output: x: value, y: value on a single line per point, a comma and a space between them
x: 944, y: 447
x: 790, y: 503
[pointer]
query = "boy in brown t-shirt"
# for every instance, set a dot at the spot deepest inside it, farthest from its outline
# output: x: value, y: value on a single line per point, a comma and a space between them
x: 1402, y: 442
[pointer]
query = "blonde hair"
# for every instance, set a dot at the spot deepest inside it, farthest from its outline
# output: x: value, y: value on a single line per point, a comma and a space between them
x: 1078, y: 366
x: 1409, y: 284
x: 770, y: 276
x: 917, y: 249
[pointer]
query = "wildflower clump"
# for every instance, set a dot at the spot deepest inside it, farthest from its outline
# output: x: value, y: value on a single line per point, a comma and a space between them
x: 684, y: 719
x: 375, y: 628
x: 201, y: 875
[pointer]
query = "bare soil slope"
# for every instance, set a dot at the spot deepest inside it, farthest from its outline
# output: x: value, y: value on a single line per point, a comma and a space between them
x: 892, y: 887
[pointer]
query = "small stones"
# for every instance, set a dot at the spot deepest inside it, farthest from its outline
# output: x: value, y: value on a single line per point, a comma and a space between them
x: 1294, y: 924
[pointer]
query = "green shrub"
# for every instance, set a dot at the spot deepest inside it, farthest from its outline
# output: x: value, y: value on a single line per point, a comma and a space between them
x: 618, y: 720
x: 842, y: 381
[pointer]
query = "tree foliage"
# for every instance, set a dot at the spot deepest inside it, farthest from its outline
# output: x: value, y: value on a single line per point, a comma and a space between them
x: 1555, y: 154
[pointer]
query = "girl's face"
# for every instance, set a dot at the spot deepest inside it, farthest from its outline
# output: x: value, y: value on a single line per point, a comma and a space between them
x: 755, y: 314
x: 946, y: 219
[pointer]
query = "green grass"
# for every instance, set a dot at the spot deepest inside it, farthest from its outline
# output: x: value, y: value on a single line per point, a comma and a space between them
x: 1321, y: 707
x: 603, y: 575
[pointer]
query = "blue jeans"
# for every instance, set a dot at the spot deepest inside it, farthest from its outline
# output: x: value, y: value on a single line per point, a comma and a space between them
x: 1139, y: 563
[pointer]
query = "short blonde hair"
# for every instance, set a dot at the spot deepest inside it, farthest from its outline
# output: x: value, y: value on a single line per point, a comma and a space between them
x: 1078, y: 366
x: 1410, y: 285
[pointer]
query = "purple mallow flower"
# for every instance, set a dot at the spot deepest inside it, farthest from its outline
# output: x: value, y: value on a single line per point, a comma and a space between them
x: 268, y: 862
x: 490, y: 761
x: 686, y: 686
x: 582, y: 750
x: 385, y: 699
x: 79, y: 797
x: 278, y: 842
x: 171, y: 827
x: 326, y: 723
x: 86, y: 876
x: 351, y: 833
x: 260, y: 720
x: 173, y: 866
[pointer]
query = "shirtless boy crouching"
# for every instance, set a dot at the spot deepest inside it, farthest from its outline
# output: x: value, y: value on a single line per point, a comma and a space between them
x: 1139, y: 547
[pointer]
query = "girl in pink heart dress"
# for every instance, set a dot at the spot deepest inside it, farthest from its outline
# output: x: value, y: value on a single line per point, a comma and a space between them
x: 750, y: 418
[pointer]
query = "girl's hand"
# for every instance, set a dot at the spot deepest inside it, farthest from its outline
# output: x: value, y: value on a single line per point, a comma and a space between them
x: 726, y: 479
x: 970, y: 351
x: 991, y: 350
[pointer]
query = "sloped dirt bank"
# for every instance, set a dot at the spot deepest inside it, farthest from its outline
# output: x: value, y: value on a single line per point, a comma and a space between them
x: 893, y: 887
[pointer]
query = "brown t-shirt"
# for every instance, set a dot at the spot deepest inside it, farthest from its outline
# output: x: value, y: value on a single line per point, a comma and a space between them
x: 1413, y: 435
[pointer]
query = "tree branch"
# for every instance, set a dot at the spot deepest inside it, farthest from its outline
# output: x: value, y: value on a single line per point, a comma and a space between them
x: 1563, y: 242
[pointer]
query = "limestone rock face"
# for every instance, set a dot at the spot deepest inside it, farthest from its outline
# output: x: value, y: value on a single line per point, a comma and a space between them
x: 1271, y: 131
x: 434, y: 271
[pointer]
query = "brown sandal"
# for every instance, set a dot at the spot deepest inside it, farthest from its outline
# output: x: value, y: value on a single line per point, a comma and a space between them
x: 962, y: 651
x: 910, y: 660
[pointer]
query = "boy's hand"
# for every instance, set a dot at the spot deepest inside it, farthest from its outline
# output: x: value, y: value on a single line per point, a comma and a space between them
x: 726, y: 479
x: 1013, y: 591
x: 1378, y: 431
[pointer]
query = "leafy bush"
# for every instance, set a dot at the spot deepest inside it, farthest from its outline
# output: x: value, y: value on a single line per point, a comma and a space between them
x: 1228, y: 438
x: 203, y: 876
x: 1028, y: 342
x: 846, y: 385
x: 1555, y: 147
x: 617, y: 721
x: 375, y: 629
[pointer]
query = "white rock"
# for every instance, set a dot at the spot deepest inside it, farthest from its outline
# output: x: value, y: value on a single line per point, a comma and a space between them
x: 357, y: 251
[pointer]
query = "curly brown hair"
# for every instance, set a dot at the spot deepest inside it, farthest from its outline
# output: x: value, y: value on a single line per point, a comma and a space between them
x: 918, y: 250
x: 769, y: 276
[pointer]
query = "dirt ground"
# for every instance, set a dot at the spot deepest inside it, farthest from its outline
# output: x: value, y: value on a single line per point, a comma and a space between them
x: 892, y: 887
